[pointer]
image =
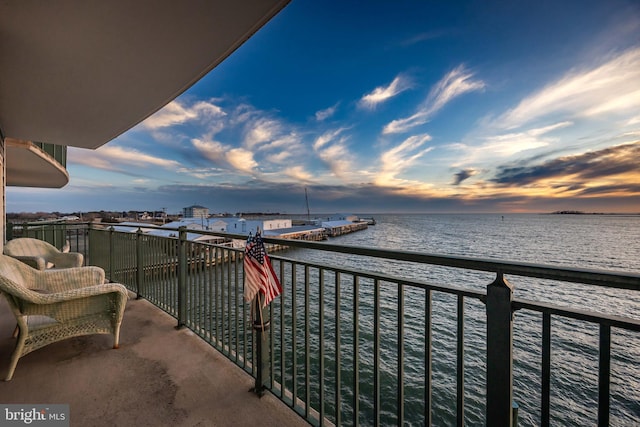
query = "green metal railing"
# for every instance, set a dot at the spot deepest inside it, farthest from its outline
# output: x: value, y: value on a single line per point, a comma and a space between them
x: 347, y: 346
x: 58, y: 152
x: 73, y: 236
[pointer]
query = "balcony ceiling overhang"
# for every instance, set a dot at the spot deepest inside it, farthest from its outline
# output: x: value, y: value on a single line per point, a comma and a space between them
x: 80, y: 73
x: 27, y: 165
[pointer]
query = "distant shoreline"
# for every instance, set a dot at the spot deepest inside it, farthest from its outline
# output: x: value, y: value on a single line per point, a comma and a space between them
x: 590, y: 213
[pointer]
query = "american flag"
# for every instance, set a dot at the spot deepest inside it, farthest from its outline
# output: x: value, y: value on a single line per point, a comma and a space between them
x: 258, y: 272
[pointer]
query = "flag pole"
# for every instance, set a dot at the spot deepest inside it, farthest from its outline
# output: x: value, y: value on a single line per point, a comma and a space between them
x: 261, y: 346
x: 261, y: 286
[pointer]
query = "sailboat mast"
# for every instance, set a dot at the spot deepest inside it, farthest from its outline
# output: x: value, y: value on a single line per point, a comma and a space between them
x: 306, y: 198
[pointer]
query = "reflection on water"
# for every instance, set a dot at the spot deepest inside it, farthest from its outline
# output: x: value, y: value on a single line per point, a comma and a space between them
x: 585, y: 241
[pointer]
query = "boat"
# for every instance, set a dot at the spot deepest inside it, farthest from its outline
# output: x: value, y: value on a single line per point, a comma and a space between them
x: 369, y: 221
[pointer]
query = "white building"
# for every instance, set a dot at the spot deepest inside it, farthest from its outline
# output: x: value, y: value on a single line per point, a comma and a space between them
x: 343, y: 217
x: 195, y: 211
x: 245, y: 226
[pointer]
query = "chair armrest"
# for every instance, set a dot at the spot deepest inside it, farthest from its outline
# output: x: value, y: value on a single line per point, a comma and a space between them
x: 68, y: 278
x: 86, y: 292
x: 36, y: 262
x: 74, y: 303
x: 67, y: 259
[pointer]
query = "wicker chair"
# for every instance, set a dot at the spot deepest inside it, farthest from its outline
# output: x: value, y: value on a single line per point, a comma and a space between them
x: 40, y: 254
x: 53, y: 305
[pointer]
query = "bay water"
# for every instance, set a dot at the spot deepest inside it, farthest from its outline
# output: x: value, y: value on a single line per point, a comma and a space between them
x: 606, y: 242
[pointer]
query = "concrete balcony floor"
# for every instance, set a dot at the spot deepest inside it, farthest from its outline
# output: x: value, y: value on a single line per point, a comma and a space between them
x: 159, y: 376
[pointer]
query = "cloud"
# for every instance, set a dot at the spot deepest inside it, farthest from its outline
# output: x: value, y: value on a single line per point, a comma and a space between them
x: 212, y: 150
x: 634, y: 120
x: 285, y: 143
x: 590, y: 172
x: 260, y: 131
x: 241, y: 160
x: 203, y: 173
x: 331, y: 148
x: 114, y: 158
x: 176, y: 113
x: 424, y: 37
x: 463, y: 175
x: 326, y: 113
x: 506, y: 145
x: 327, y: 137
x: 404, y: 125
x: 610, y: 87
x: 511, y: 143
x: 280, y: 157
x: 337, y: 158
x: 399, y: 158
x: 237, y: 159
x: 298, y: 173
x: 456, y: 83
x: 382, y: 94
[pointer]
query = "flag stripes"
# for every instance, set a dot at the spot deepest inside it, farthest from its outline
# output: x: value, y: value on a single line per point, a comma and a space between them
x: 258, y: 271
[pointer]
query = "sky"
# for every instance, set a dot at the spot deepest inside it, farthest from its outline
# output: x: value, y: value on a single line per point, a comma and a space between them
x: 382, y: 107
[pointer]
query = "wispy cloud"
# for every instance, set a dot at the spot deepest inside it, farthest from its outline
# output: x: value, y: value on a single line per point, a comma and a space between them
x: 331, y: 148
x: 298, y: 173
x: 280, y: 157
x: 609, y: 87
x: 634, y: 120
x: 456, y: 83
x: 176, y: 113
x: 260, y: 131
x: 396, y: 160
x: 505, y: 145
x: 327, y: 137
x: 384, y: 93
x: 288, y: 143
x: 418, y: 38
x: 115, y: 158
x: 338, y: 158
x: 203, y: 173
x: 326, y: 113
x: 234, y: 159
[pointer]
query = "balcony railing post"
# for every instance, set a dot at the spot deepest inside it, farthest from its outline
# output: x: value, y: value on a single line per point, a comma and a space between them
x: 90, y: 252
x: 9, y: 235
x: 139, y: 264
x: 111, y: 253
x: 499, y: 353
x: 261, y: 324
x: 182, y: 275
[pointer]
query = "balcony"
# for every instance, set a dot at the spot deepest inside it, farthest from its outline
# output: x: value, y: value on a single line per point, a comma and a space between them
x: 159, y: 376
x: 348, y: 345
x: 35, y: 164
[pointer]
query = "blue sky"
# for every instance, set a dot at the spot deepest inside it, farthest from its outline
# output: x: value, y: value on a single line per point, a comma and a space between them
x: 410, y: 106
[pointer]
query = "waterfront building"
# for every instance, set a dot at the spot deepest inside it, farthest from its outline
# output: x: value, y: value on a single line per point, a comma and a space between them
x: 298, y: 232
x: 339, y: 227
x: 195, y: 211
x: 343, y: 217
x: 246, y: 226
